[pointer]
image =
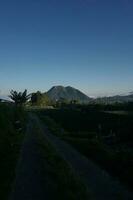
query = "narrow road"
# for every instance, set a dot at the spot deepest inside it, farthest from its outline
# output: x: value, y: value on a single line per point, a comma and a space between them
x: 30, y: 185
x: 100, y: 183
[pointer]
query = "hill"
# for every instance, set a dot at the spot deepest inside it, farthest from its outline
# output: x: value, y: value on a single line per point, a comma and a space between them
x: 68, y: 93
x: 116, y: 98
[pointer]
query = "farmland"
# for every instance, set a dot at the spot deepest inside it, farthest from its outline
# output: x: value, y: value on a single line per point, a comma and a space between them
x: 106, y: 138
x: 103, y: 137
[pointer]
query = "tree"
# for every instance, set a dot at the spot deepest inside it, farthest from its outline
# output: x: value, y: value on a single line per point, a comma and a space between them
x: 36, y: 97
x: 40, y: 99
x: 19, y: 98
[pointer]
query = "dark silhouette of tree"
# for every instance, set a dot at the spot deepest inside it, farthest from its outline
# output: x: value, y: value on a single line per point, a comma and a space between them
x: 36, y: 98
x: 19, y: 98
x: 40, y: 99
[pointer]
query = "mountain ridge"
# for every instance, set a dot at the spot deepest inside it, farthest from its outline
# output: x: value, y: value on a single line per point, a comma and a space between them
x: 115, y: 98
x: 69, y: 93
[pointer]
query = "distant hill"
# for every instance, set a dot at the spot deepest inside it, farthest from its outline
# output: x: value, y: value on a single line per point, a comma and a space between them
x: 68, y: 93
x: 114, y: 99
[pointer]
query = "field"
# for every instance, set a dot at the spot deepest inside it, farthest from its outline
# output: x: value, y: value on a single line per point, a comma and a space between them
x: 57, y: 177
x: 10, y: 141
x: 104, y: 137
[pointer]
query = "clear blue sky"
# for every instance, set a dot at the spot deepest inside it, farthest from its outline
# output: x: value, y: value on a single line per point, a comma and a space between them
x: 87, y: 44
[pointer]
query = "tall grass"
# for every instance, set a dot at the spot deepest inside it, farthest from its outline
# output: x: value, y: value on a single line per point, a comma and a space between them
x: 10, y: 140
x: 81, y: 130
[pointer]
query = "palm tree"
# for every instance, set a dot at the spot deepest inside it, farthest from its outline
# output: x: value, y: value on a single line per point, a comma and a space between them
x: 19, y: 98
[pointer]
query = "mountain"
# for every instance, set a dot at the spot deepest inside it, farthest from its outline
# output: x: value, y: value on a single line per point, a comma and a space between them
x: 116, y: 98
x: 68, y: 93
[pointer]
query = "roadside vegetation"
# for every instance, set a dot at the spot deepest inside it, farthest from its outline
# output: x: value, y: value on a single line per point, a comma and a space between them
x: 12, y: 125
x: 61, y: 177
x: 12, y: 128
x: 103, y: 133
x: 104, y: 137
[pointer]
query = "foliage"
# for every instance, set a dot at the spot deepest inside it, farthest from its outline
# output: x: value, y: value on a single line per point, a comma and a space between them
x: 118, y: 163
x: 104, y: 137
x: 127, y: 106
x: 40, y: 99
x: 10, y: 141
x: 19, y: 98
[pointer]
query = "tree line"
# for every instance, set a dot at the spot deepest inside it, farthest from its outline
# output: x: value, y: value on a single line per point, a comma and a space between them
x: 42, y: 100
x: 38, y: 99
x: 34, y: 99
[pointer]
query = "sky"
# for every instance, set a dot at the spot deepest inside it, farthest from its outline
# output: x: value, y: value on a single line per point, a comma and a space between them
x: 87, y: 44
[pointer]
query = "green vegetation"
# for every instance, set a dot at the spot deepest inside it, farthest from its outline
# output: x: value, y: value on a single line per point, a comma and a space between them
x: 101, y: 132
x: 63, y: 183
x: 53, y: 126
x: 11, y: 134
x: 104, y: 137
x: 19, y: 98
x: 117, y: 163
x: 40, y: 99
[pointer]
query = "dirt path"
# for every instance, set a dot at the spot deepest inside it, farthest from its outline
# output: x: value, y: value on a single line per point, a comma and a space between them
x: 100, y: 183
x: 30, y: 185
x: 35, y: 172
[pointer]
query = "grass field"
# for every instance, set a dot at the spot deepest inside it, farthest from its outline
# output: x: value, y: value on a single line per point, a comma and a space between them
x: 10, y: 141
x: 106, y: 138
x: 76, y: 121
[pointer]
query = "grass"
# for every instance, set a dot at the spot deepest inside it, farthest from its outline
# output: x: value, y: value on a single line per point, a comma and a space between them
x: 57, y: 174
x: 62, y: 181
x: 10, y: 141
x: 118, y: 164
x: 89, y: 121
x: 80, y: 130
x: 53, y: 126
